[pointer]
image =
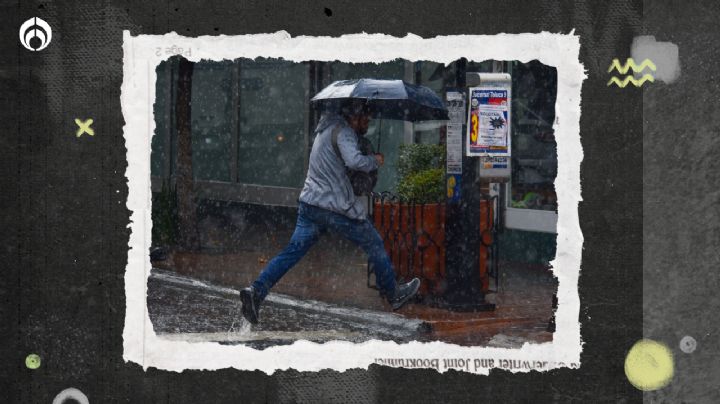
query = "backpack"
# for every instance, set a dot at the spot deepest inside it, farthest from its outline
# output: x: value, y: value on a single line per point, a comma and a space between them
x: 362, y: 182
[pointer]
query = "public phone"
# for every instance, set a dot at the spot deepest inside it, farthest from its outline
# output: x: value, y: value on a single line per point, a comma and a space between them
x: 478, y: 156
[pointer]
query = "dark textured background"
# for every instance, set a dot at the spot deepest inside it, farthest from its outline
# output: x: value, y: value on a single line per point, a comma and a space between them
x: 65, y: 222
x: 681, y: 203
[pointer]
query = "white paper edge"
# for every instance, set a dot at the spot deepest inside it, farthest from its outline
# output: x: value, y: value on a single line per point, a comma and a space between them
x: 143, y: 53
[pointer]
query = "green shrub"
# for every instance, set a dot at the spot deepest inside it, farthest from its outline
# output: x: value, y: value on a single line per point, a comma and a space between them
x: 414, y: 158
x: 421, y: 173
x: 427, y: 186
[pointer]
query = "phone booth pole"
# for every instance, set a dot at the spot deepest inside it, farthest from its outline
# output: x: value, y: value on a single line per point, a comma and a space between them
x: 478, y: 151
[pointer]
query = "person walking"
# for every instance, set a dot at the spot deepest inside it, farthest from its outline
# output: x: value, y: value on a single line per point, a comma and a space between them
x: 327, y: 202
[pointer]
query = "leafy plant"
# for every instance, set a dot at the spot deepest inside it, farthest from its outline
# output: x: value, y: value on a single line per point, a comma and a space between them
x: 423, y: 187
x: 165, y: 216
x: 421, y: 172
x: 414, y: 158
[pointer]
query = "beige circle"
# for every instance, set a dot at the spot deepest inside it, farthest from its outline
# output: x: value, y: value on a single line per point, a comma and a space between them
x: 649, y: 365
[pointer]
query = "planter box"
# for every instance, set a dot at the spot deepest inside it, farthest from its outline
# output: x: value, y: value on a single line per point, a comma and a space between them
x: 414, y: 236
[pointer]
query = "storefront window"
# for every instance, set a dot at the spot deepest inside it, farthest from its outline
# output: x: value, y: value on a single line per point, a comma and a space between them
x: 274, y: 97
x: 211, y: 117
x: 534, y: 149
x: 433, y: 76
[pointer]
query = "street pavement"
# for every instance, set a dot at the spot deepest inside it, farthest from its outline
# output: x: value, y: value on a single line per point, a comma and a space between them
x: 193, y: 295
x: 193, y: 303
x: 187, y: 309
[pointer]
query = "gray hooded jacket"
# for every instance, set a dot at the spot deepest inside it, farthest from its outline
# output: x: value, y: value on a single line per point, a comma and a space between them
x: 327, y: 185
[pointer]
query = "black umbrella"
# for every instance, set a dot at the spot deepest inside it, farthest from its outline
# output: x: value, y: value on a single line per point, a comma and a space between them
x: 387, y: 99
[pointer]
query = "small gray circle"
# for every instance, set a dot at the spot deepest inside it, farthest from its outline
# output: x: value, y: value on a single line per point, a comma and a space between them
x: 71, y: 394
x: 688, y: 344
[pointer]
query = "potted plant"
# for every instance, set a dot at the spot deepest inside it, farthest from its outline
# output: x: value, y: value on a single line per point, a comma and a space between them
x: 412, y: 223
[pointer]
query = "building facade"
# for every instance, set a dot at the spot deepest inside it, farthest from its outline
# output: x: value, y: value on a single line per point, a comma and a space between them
x: 253, y: 127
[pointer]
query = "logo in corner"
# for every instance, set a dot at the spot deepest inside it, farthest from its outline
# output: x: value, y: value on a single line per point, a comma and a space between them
x: 35, y: 34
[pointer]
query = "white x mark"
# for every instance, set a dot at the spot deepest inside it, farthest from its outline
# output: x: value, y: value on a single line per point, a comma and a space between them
x: 84, y: 127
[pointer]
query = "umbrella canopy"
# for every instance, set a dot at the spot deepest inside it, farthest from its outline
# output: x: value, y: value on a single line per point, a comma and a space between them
x: 387, y: 99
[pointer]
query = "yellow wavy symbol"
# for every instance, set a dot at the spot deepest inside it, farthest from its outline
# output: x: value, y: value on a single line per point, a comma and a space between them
x: 630, y: 79
x: 630, y: 64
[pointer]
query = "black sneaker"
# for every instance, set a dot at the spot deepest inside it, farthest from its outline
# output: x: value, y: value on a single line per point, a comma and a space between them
x: 250, y: 304
x: 404, y: 292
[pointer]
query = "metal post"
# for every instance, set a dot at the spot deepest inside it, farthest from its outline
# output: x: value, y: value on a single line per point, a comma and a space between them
x: 462, y: 235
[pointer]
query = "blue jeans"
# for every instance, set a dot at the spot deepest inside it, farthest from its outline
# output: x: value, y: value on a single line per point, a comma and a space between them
x: 311, y: 222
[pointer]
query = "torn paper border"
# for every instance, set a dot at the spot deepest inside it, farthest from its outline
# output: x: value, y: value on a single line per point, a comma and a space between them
x: 144, y: 52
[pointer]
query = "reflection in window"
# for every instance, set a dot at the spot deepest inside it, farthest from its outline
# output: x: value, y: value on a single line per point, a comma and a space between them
x: 211, y: 111
x: 164, y: 101
x: 274, y: 97
x: 534, y: 149
x: 431, y: 75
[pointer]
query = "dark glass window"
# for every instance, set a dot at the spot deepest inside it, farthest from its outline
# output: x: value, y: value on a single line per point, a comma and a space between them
x: 534, y: 149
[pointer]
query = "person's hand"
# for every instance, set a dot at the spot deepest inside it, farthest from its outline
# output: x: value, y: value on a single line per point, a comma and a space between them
x: 380, y: 158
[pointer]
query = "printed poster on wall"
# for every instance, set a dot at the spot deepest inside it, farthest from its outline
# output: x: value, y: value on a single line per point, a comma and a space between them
x: 455, y: 101
x: 488, y: 122
x: 456, y: 106
x: 454, y: 149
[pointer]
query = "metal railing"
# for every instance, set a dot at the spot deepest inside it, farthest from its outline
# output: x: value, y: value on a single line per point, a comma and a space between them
x: 414, y: 237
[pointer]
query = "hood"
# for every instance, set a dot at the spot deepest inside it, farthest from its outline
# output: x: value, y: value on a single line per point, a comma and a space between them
x: 330, y: 118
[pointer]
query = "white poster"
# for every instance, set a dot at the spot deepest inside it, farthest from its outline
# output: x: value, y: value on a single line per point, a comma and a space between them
x: 454, y: 149
x: 456, y: 107
x: 489, y: 121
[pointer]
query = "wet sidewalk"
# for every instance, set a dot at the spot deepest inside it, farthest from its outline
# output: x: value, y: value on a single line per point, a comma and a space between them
x: 335, y: 275
x: 186, y: 309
